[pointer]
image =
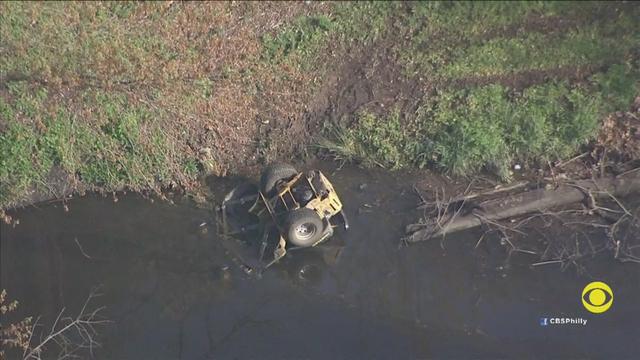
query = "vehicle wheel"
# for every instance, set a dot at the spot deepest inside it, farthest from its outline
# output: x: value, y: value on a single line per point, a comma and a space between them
x: 274, y: 173
x: 303, y: 227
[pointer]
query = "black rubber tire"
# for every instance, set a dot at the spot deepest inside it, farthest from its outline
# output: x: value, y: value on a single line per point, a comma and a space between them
x: 303, y: 218
x: 274, y: 173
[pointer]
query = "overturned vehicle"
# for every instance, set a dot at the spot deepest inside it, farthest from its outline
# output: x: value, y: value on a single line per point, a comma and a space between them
x: 289, y: 210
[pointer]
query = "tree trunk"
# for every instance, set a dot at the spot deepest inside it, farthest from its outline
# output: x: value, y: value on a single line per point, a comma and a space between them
x: 532, y: 201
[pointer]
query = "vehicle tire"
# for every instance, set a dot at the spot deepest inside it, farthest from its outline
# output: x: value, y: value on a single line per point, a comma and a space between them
x: 303, y: 227
x: 274, y: 173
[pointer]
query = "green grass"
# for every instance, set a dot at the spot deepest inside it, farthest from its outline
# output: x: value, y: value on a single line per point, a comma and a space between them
x: 375, y: 141
x: 457, y: 40
x: 85, y: 93
x: 299, y: 37
x: 463, y: 130
x: 307, y: 38
x: 126, y: 94
x: 61, y: 52
x: 111, y: 156
x: 108, y: 56
x: 504, y: 56
x: 487, y: 127
x: 483, y: 128
x: 17, y: 168
x: 618, y: 86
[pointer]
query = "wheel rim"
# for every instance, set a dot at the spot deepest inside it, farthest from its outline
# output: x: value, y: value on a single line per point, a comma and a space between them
x: 306, y: 231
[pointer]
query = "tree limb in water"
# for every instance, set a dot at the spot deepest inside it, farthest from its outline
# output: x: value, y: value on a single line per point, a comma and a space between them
x: 531, y: 201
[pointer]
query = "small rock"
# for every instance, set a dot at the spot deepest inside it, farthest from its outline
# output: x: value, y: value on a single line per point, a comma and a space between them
x: 517, y: 167
x: 205, y: 152
x: 209, y: 164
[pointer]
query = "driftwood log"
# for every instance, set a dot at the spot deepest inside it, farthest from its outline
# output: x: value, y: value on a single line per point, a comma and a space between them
x: 529, y: 202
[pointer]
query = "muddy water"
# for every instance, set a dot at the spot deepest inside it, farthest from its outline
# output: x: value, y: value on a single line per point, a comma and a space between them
x: 172, y: 293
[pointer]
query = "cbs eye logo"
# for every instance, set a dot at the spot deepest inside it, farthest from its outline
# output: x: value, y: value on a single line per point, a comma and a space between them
x: 597, y: 297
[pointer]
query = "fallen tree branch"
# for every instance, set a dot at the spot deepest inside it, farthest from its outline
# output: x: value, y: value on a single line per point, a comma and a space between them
x: 497, y: 190
x: 69, y: 333
x: 533, y: 201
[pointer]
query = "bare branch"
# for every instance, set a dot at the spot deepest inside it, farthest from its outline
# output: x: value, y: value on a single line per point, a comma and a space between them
x: 84, y: 324
x: 81, y: 249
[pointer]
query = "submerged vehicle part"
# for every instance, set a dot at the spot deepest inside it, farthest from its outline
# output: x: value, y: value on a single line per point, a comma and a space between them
x: 289, y: 210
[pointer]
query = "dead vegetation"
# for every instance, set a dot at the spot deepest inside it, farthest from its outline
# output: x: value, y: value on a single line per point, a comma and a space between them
x: 16, y: 334
x: 563, y: 213
x: 554, y: 222
x: 72, y: 336
x: 619, y: 135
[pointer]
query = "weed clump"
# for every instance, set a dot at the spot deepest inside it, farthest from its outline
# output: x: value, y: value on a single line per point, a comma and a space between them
x: 374, y: 141
x: 298, y: 37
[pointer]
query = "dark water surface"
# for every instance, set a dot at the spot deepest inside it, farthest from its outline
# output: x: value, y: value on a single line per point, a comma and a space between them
x: 360, y: 296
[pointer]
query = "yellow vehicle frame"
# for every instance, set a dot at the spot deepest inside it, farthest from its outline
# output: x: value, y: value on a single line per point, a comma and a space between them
x: 325, y: 203
x: 326, y: 206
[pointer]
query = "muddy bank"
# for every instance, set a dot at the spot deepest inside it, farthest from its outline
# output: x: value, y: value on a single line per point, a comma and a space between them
x: 173, y: 293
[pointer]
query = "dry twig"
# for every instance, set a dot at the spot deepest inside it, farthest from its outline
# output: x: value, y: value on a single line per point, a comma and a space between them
x: 71, y: 334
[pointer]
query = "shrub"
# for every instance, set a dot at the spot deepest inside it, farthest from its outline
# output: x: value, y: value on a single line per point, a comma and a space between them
x: 618, y: 86
x: 468, y: 130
